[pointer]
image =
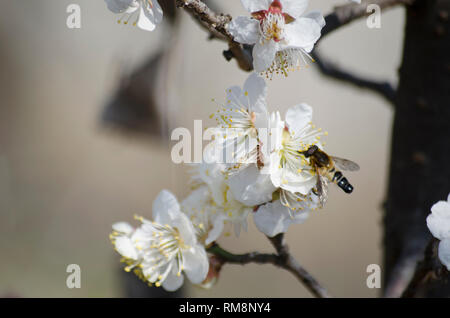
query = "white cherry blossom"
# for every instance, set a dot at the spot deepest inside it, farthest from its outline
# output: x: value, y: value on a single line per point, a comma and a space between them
x: 239, y: 120
x: 288, y: 168
x: 280, y: 31
x: 145, y: 14
x: 438, y: 223
x: 160, y: 251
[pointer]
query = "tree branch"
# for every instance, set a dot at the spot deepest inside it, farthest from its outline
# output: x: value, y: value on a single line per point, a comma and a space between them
x: 242, y: 259
x: 282, y: 259
x: 428, y: 270
x: 290, y: 264
x: 343, y: 15
x: 385, y: 89
x: 215, y: 24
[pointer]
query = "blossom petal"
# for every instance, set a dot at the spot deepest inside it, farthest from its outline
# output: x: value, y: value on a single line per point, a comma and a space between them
x: 256, y: 89
x: 165, y: 207
x: 236, y: 97
x: 216, y: 230
x: 149, y: 17
x: 317, y: 16
x: 144, y: 22
x: 301, y: 182
x: 196, y: 264
x: 123, y: 227
x: 250, y: 187
x: 156, y: 11
x: 295, y: 8
x: 263, y: 55
x: 238, y: 224
x: 438, y: 221
x: 256, y: 5
x: 186, y: 229
x: 273, y: 218
x: 173, y: 281
x: 298, y: 117
x: 274, y: 169
x: 125, y: 247
x: 303, y: 33
x: 441, y: 209
x: 244, y: 30
x: 120, y: 6
x: 212, y: 154
x: 270, y: 140
x: 444, y: 252
x: 142, y: 233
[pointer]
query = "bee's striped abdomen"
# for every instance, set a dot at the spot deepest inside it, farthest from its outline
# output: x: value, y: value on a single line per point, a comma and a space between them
x: 342, y: 182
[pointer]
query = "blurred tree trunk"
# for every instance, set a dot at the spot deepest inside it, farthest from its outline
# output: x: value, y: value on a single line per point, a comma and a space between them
x: 420, y: 162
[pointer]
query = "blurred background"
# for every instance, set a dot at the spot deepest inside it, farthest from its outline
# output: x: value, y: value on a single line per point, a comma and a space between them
x: 66, y: 176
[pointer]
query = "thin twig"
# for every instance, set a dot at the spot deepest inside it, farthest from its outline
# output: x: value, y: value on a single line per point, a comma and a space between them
x: 343, y: 15
x: 216, y: 25
x: 282, y: 259
x: 383, y: 88
x: 291, y: 265
x: 347, y: 13
x: 242, y: 259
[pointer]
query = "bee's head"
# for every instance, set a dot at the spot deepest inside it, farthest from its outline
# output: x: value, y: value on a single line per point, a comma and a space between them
x: 311, y: 150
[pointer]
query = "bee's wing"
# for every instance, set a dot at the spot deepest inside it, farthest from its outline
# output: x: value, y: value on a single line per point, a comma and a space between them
x: 322, y: 188
x: 345, y: 164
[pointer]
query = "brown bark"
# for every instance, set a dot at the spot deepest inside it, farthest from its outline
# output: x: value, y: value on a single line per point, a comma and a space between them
x: 419, y: 169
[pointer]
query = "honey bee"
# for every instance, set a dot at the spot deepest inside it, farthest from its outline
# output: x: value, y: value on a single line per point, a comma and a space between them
x: 326, y: 170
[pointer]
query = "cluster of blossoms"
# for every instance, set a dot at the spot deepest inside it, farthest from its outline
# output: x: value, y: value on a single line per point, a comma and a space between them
x: 282, y: 33
x: 261, y: 157
x: 253, y: 166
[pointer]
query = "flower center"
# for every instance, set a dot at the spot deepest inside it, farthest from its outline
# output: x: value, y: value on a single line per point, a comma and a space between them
x: 273, y: 21
x: 272, y: 27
